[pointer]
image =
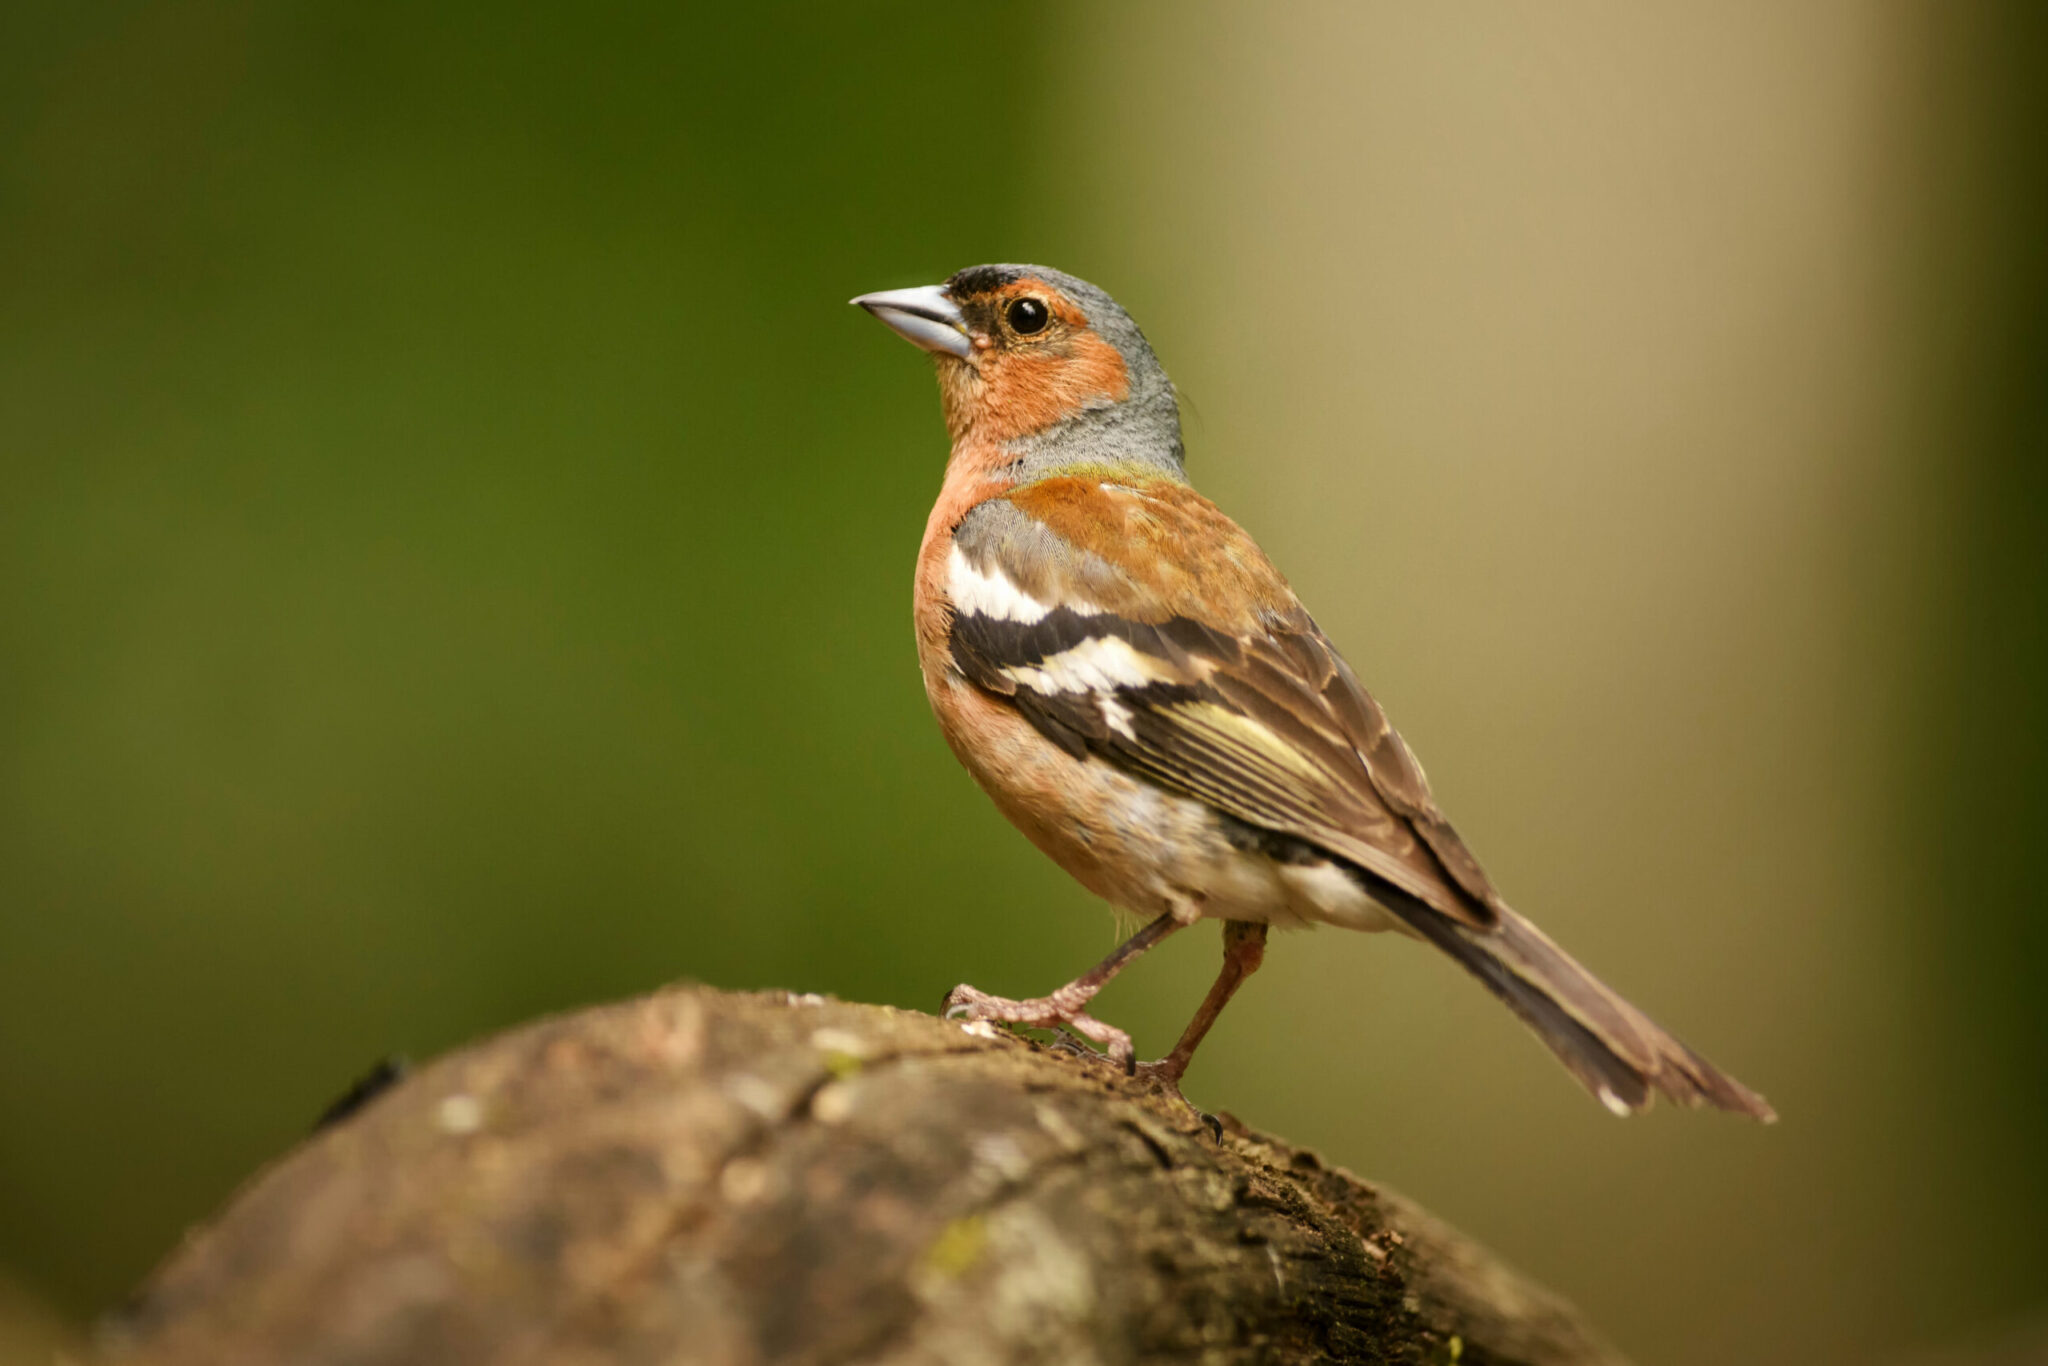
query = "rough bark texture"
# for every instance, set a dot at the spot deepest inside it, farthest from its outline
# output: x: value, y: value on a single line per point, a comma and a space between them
x: 704, y: 1177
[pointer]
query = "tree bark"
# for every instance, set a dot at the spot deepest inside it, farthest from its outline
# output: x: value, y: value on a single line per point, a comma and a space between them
x: 698, y: 1176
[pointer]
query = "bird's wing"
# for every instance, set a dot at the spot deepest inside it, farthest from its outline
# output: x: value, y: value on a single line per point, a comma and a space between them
x: 1129, y: 619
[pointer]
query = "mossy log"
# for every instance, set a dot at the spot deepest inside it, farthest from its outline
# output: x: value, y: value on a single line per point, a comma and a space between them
x: 705, y: 1177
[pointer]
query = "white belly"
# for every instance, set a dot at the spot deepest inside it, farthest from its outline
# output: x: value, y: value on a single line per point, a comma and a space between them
x: 1158, y: 850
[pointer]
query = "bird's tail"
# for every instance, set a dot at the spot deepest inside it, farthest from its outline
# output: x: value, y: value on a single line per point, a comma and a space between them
x: 1620, y: 1054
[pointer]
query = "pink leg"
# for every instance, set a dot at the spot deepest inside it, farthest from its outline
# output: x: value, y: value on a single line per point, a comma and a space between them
x: 1068, y: 1005
x: 1244, y: 948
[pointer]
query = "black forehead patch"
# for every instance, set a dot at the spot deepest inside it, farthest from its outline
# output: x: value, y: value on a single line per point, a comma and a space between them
x: 982, y: 280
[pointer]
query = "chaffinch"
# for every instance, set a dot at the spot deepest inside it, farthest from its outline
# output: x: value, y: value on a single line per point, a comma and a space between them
x: 1135, y: 685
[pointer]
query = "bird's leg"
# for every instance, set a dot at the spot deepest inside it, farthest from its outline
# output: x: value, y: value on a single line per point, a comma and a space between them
x: 1068, y: 1005
x: 1244, y: 948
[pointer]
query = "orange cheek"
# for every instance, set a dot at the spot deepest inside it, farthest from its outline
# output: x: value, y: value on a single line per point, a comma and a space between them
x: 1098, y: 368
x: 1029, y: 390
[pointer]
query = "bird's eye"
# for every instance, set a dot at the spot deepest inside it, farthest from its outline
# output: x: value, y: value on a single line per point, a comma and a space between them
x: 1027, y: 316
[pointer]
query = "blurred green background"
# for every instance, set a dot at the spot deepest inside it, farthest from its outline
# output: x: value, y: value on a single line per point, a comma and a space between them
x: 455, y: 547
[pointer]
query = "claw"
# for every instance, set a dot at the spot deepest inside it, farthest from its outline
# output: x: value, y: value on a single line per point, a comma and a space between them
x: 1067, y: 1043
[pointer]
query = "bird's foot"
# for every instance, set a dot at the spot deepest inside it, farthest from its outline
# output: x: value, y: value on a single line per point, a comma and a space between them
x: 1062, y: 1009
x: 1164, y: 1076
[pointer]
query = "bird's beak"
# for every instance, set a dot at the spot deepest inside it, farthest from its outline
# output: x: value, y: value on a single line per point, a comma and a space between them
x: 924, y: 317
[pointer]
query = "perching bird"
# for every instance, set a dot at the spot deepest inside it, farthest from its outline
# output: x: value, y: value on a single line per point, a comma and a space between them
x: 1126, y: 674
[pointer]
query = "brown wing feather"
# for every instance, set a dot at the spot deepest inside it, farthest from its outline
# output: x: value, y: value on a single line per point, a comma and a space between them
x: 1396, y: 773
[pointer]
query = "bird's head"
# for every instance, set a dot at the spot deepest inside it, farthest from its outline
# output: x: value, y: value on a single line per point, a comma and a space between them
x: 1033, y: 362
